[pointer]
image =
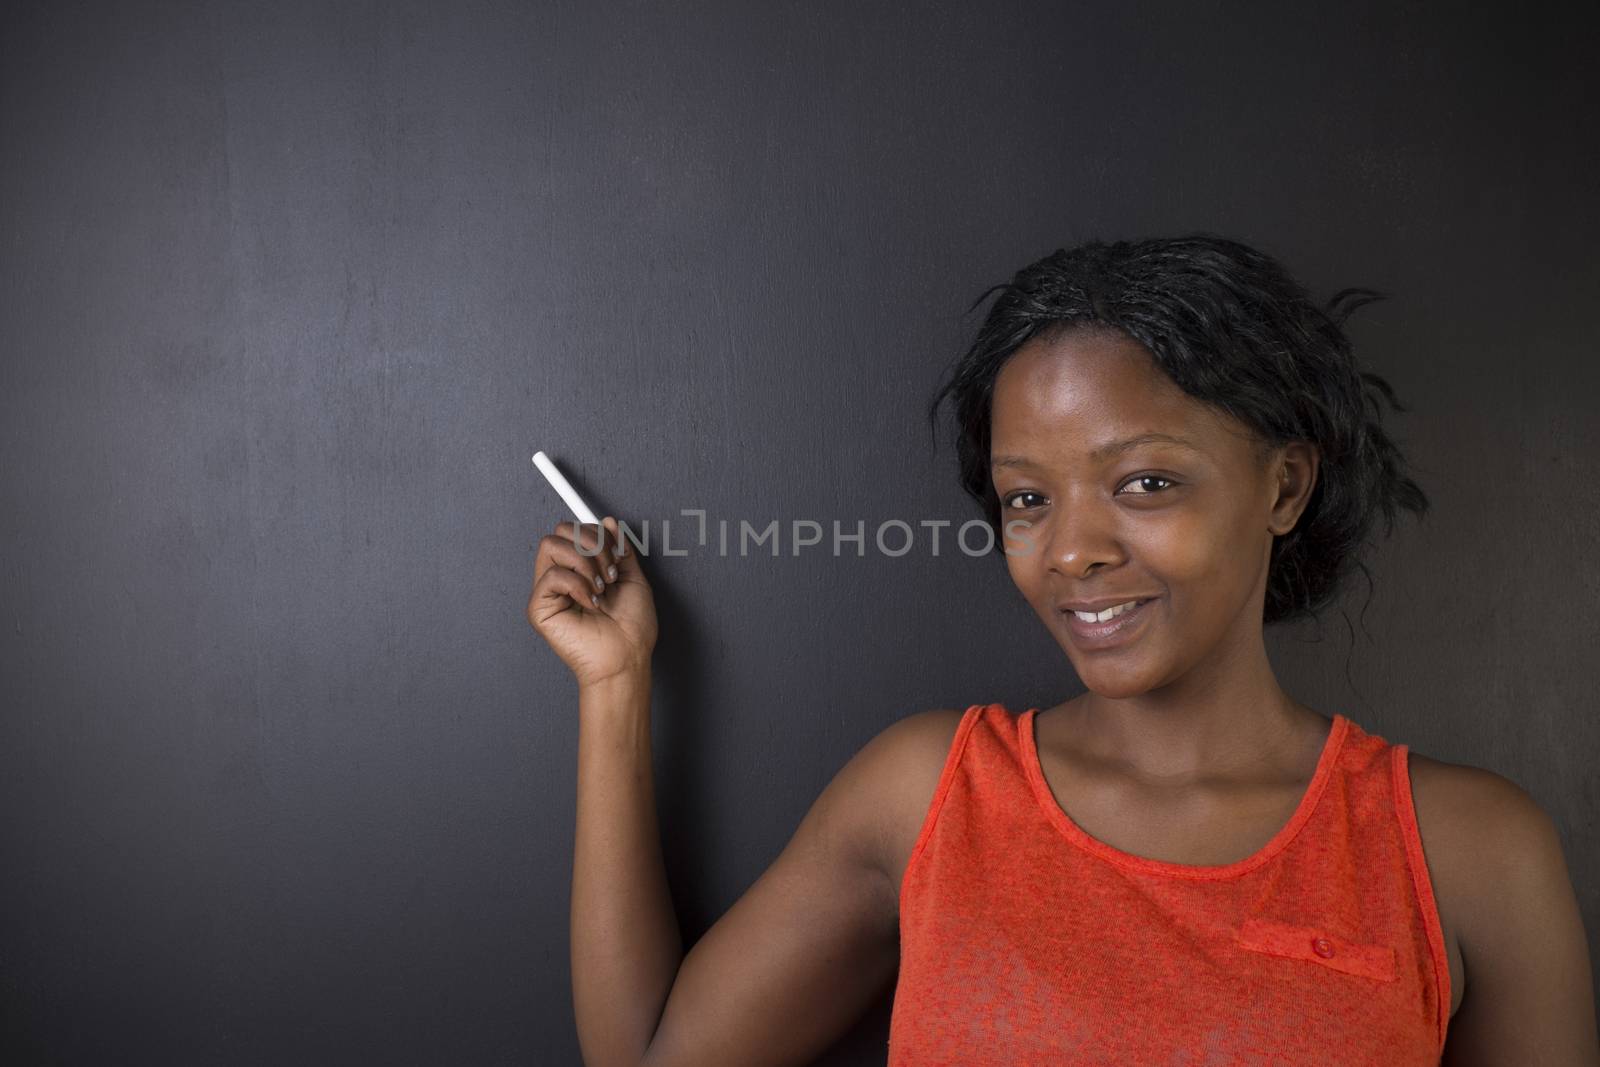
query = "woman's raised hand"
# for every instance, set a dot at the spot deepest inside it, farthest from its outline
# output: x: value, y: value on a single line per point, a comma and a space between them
x: 594, y: 606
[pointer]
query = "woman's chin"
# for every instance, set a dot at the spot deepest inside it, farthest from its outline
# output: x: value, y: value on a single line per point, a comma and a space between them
x: 1115, y: 689
x: 1116, y: 682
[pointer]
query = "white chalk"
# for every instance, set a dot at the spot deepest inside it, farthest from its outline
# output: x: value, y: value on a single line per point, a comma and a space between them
x: 569, y: 494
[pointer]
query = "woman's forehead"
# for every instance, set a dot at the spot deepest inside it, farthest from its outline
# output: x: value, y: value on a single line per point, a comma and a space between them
x: 1090, y: 386
x: 1096, y: 397
x: 1080, y: 368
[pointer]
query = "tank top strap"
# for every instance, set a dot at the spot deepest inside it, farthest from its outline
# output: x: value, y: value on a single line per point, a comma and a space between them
x: 982, y: 769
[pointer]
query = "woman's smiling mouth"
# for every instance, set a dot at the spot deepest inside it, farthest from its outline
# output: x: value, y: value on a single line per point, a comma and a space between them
x: 1109, y: 626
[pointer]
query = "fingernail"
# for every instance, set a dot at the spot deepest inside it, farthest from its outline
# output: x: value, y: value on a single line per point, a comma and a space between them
x: 598, y: 584
x: 611, y: 572
x: 594, y: 600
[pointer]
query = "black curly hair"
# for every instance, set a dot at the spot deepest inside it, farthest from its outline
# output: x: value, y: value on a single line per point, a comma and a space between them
x: 1230, y: 327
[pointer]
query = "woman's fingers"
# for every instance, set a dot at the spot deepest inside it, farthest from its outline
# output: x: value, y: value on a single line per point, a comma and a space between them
x: 622, y: 556
x: 560, y: 586
x: 595, y: 543
x: 556, y: 550
x: 597, y: 624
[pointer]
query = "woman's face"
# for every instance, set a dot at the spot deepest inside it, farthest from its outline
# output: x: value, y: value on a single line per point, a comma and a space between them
x: 1187, y: 527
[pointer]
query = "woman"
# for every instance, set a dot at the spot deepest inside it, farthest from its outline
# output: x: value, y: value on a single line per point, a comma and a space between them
x: 1182, y: 865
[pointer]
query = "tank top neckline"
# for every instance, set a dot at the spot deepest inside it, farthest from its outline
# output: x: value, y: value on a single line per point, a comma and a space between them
x: 1034, y: 770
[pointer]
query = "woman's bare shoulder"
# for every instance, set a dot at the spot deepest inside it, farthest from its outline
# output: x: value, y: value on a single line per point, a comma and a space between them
x: 1478, y: 829
x: 1461, y: 802
x: 1505, y: 892
x: 906, y: 758
x: 921, y: 743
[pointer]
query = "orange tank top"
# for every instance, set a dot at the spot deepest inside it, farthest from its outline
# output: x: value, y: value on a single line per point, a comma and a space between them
x: 1023, y: 940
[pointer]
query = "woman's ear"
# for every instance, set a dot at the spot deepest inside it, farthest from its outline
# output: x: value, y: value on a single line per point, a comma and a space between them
x: 1294, y: 475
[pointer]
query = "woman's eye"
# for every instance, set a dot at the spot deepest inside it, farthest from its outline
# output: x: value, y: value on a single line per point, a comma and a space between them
x: 1166, y: 483
x: 1148, y: 478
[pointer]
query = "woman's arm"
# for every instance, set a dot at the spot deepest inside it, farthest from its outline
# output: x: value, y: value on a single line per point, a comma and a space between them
x: 626, y: 945
x: 1529, y: 996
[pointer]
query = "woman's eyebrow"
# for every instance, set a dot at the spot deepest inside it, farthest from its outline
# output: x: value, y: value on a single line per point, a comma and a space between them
x: 1106, y: 451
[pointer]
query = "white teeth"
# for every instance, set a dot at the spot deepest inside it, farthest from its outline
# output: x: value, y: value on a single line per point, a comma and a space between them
x: 1106, y: 615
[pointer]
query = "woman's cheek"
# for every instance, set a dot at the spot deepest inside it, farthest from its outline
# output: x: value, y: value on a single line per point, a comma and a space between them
x: 1020, y: 540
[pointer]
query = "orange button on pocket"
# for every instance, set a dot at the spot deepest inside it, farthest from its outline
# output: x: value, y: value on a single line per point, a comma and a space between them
x: 1319, y: 946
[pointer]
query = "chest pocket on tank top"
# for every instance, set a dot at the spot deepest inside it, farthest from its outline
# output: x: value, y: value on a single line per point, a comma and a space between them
x: 1318, y: 946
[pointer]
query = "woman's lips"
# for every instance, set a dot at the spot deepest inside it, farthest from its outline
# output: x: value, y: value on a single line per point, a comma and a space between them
x: 1113, y: 631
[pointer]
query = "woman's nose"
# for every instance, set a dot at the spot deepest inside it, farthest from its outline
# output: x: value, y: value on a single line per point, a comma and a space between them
x: 1080, y: 537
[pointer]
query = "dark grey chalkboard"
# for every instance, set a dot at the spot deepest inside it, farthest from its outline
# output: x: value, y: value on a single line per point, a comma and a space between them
x: 291, y: 292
